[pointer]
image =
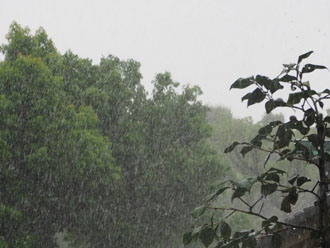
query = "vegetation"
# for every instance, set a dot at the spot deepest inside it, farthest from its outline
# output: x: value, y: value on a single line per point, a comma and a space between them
x: 89, y: 158
x: 87, y: 154
x: 299, y: 139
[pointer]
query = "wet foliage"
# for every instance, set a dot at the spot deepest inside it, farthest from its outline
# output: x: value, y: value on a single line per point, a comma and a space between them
x: 302, y: 139
x: 86, y: 153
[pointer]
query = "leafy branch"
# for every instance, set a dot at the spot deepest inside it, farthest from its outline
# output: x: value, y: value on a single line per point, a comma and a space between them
x: 298, y: 139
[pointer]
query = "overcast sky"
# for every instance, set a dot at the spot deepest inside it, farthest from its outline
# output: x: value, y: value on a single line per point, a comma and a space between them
x: 209, y: 43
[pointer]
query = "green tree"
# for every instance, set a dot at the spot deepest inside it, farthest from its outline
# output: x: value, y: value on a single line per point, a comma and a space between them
x: 179, y: 158
x: 160, y: 143
x: 284, y: 141
x: 88, y: 155
x: 55, y: 164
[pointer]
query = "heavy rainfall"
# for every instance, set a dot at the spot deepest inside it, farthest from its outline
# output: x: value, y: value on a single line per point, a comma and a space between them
x: 93, y: 156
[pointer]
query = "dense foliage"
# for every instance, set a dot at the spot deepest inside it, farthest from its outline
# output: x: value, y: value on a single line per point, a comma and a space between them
x: 302, y: 138
x: 87, y: 154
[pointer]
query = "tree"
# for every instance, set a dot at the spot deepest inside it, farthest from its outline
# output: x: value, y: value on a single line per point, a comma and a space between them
x: 55, y: 164
x: 87, y: 154
x: 283, y: 141
x: 179, y: 158
x: 160, y: 144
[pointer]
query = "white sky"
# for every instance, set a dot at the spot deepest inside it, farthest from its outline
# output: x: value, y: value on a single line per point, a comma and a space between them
x: 210, y: 43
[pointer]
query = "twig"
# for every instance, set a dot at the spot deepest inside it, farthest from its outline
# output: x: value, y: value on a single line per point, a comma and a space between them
x: 264, y: 218
x: 247, y: 204
x: 254, y: 204
x: 234, y: 211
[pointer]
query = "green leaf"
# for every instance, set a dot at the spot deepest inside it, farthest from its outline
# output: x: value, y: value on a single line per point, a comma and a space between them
x: 269, y: 188
x: 256, y: 141
x: 279, y: 102
x: 240, y: 236
x: 309, y: 117
x: 272, y: 104
x: 302, y: 150
x: 302, y: 180
x: 187, y: 238
x: 218, y: 183
x: 284, y: 135
x: 242, y: 83
x: 271, y: 85
x: 293, y: 179
x: 290, y: 199
x: 306, y: 84
x: 321, y: 104
x: 298, y: 125
x: 243, y: 187
x: 304, y: 56
x: 245, y: 150
x: 310, y: 68
x: 246, y: 97
x: 269, y: 221
x: 231, y: 147
x: 276, y: 241
x: 273, y: 170
x: 198, y: 211
x: 266, y: 130
x: 225, y: 230
x: 256, y: 96
x: 326, y: 91
x: 327, y: 119
x: 272, y: 177
x: 289, y: 66
x: 250, y: 242
x: 196, y: 231
x: 246, y: 183
x: 275, y: 86
x: 269, y: 106
x: 215, y: 194
x: 206, y: 236
x: 287, y: 78
x: 293, y: 196
x: 238, y: 192
x: 263, y: 81
x: 314, y: 139
x: 287, y: 154
x: 295, y: 98
x: 278, y: 171
x: 285, y: 205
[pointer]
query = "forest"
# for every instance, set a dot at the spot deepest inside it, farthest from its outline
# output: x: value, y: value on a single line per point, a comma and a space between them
x: 89, y: 158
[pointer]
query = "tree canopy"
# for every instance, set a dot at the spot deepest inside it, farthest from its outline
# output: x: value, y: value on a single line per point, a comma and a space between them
x: 86, y: 152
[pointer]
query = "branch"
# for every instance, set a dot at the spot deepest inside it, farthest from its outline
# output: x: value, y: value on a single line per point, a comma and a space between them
x: 279, y: 153
x: 308, y: 191
x: 247, y: 204
x: 317, y: 183
x: 263, y: 217
x: 254, y: 204
x: 234, y: 211
x: 302, y: 190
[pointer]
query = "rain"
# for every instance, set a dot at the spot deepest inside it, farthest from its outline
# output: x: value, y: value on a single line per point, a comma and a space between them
x: 131, y: 143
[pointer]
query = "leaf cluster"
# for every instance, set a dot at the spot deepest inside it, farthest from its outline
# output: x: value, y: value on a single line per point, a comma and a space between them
x: 297, y: 139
